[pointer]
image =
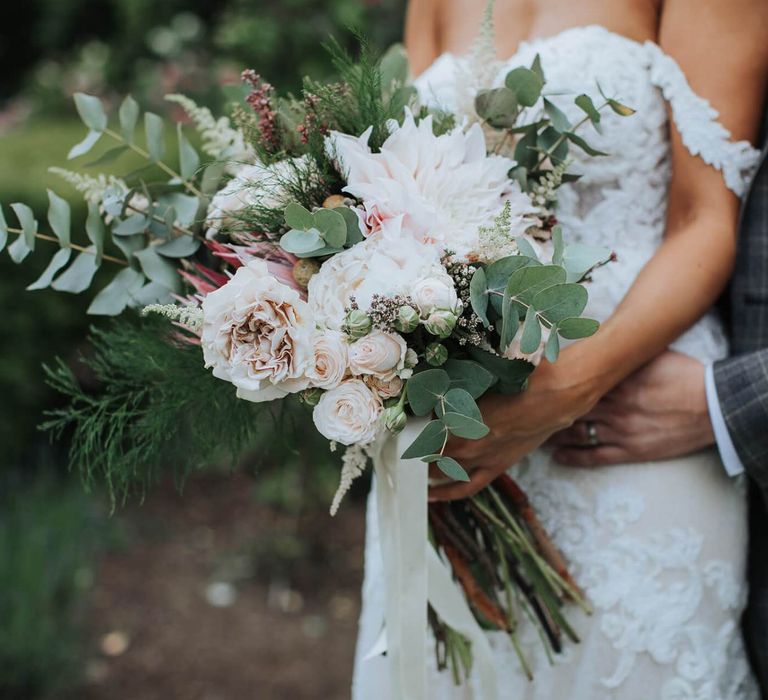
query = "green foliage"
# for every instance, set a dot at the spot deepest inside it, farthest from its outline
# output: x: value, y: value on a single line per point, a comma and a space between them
x: 157, y: 410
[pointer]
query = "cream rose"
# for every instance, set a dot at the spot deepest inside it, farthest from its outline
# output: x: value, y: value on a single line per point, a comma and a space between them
x: 379, y: 354
x: 378, y: 265
x: 385, y: 389
x: 435, y: 292
x: 348, y: 414
x: 331, y: 360
x: 258, y: 334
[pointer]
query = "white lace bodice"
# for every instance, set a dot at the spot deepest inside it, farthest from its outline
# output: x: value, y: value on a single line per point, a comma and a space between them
x: 621, y: 200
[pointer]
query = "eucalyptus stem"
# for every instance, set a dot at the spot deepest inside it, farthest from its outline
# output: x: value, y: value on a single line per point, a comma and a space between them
x: 562, y: 137
x: 73, y: 246
x: 160, y: 164
x: 160, y: 220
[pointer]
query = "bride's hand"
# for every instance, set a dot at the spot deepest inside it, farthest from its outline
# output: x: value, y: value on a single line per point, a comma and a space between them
x: 556, y: 396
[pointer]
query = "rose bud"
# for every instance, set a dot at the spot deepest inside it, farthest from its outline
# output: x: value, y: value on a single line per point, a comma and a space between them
x: 441, y: 323
x: 395, y: 419
x: 436, y: 354
x: 311, y: 396
x: 357, y: 324
x: 407, y: 319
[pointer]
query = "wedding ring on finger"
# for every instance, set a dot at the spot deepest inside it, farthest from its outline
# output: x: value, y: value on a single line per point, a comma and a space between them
x: 592, y: 440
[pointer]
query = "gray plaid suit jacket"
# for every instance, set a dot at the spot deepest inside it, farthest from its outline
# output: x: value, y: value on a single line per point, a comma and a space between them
x: 742, y: 387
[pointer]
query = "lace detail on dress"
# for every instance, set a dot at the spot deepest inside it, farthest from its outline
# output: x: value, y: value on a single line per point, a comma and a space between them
x: 697, y: 122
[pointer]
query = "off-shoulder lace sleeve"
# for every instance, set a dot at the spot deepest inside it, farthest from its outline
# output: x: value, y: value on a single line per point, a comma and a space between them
x: 697, y: 122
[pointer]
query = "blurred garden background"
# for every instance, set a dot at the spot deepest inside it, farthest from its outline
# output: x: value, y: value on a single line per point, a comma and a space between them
x: 241, y: 586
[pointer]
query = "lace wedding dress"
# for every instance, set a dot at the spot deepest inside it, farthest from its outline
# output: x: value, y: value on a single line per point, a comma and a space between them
x: 658, y: 547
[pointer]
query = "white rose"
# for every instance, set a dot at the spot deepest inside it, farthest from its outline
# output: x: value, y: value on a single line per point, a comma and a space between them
x: 348, y: 414
x: 258, y: 334
x: 377, y: 265
x: 386, y: 389
x: 379, y: 354
x: 331, y: 360
x: 435, y: 292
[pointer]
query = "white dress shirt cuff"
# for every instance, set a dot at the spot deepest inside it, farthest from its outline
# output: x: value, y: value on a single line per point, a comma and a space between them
x: 728, y: 453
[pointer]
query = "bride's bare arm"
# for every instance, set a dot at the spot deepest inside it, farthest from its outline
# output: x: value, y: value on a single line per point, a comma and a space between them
x: 721, y: 47
x: 421, y: 34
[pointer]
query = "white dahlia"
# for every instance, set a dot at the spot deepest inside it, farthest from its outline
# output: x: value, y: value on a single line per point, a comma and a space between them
x: 444, y: 187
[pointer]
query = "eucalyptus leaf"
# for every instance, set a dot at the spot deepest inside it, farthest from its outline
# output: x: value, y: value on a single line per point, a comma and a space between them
x: 512, y: 375
x: 130, y: 244
x: 584, y: 102
x: 558, y: 118
x: 536, y: 67
x: 573, y: 328
x: 85, y: 145
x: 425, y: 389
x: 189, y: 160
x: 498, y: 274
x: 332, y: 227
x: 531, y: 337
x: 154, y: 130
x: 526, y: 282
x: 118, y: 294
x: 620, y: 109
x: 180, y: 247
x: 297, y: 217
x: 551, y: 142
x: 297, y: 242
x: 552, y: 348
x: 18, y: 250
x: 91, y: 111
x: 458, y: 401
x: 58, y: 261
x: 109, y: 156
x: 470, y: 376
x: 499, y: 107
x: 151, y: 293
x: 393, y: 67
x: 525, y: 151
x: 129, y: 117
x: 464, y: 426
x: 28, y: 223
x: 94, y: 228
x: 520, y: 175
x: 583, y: 145
x: 319, y: 252
x: 79, y: 275
x: 158, y: 269
x: 525, y: 247
x: 185, y: 205
x: 429, y: 441
x: 135, y: 223
x: 451, y: 468
x: 59, y: 217
x: 579, y: 258
x: 510, y: 321
x: 526, y: 84
x: 354, y: 234
x: 478, y: 295
x: 560, y: 301
x: 558, y: 245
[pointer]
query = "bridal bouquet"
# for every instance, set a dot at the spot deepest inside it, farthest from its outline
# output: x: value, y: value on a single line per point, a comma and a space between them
x: 349, y: 248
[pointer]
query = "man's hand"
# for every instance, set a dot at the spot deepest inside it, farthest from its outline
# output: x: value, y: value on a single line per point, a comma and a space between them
x: 660, y: 412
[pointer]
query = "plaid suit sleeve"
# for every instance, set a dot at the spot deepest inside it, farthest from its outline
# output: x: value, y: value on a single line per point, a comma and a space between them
x: 742, y: 388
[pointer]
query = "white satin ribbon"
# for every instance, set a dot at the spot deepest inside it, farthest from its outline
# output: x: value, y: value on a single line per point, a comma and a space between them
x: 414, y: 575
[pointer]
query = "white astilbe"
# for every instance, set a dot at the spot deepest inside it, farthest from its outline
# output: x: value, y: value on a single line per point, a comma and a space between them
x: 189, y: 316
x: 92, y: 188
x: 221, y: 140
x: 353, y: 463
x: 479, y: 69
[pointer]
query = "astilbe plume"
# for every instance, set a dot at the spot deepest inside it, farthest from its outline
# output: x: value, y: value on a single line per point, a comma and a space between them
x: 260, y: 99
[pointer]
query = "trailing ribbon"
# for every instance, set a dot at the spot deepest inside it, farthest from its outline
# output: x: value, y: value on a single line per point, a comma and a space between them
x: 415, y: 575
